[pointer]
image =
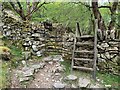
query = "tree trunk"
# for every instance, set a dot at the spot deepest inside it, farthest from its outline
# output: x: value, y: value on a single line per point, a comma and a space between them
x: 113, y: 17
x: 97, y: 15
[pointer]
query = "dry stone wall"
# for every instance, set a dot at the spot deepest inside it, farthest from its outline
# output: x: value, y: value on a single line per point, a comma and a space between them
x: 33, y: 42
x: 30, y: 39
x: 109, y: 56
x: 33, y: 38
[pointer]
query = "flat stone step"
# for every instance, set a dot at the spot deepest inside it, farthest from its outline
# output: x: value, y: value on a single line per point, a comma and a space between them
x: 83, y: 68
x: 86, y: 37
x: 71, y: 77
x: 53, y: 45
x: 83, y: 59
x: 54, y: 41
x: 57, y: 48
x: 84, y: 51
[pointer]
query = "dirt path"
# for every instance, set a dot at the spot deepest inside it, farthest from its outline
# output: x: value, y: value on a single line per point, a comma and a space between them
x: 44, y: 78
x: 49, y: 75
x: 14, y: 80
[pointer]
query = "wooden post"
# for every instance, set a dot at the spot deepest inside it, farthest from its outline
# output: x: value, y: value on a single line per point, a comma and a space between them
x: 95, y: 49
x: 73, y: 55
x: 78, y: 33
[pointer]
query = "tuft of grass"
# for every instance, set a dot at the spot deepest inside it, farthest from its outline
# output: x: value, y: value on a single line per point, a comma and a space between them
x: 67, y: 65
x: 17, y: 52
x: 17, y: 55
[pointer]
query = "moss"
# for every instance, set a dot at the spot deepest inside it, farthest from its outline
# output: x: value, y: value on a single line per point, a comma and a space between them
x: 2, y: 48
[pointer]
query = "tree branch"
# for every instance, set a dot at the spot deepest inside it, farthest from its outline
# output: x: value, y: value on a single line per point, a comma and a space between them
x: 36, y: 8
x: 19, y: 4
x: 20, y: 12
x: 104, y: 7
x: 113, y: 18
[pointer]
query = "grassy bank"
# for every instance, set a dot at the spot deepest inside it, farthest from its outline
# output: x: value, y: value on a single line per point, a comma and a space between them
x: 105, y: 78
x: 4, y: 75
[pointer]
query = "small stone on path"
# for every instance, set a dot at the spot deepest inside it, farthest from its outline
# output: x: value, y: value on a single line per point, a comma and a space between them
x: 71, y: 77
x: 58, y: 85
x: 47, y: 59
x: 21, y: 79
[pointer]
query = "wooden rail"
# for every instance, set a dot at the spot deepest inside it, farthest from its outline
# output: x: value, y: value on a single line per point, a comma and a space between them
x: 95, y: 49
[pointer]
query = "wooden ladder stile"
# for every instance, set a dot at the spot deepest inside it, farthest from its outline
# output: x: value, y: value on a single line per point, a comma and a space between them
x: 85, y: 40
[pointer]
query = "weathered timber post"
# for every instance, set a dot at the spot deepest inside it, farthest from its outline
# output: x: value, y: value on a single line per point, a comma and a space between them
x: 78, y: 33
x: 95, y: 49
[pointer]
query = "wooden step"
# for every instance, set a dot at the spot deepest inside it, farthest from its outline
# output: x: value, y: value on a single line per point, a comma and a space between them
x: 55, y: 37
x: 54, y: 48
x: 58, y: 45
x: 83, y: 68
x: 54, y: 41
x: 83, y: 59
x: 84, y: 44
x: 86, y: 37
x: 84, y: 51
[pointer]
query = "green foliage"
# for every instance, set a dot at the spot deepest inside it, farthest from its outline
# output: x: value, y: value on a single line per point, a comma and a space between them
x: 106, y: 15
x: 16, y: 53
x: 65, y: 13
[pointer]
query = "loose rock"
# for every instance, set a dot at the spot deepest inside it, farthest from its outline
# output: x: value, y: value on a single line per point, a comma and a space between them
x: 71, y: 77
x: 58, y: 85
x: 84, y: 82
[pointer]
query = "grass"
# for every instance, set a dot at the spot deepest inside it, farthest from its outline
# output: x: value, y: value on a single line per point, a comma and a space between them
x: 109, y: 79
x: 4, y: 69
x: 4, y: 75
x: 17, y: 52
x: 67, y: 65
x: 17, y: 55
